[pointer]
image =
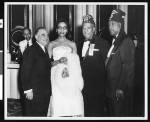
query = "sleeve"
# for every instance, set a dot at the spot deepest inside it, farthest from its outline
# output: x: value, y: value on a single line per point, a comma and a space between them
x: 26, y: 69
x: 127, y: 51
x: 27, y: 91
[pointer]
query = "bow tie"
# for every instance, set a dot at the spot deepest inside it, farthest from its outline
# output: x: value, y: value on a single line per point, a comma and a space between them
x: 114, y: 37
x: 87, y: 40
x: 45, y: 50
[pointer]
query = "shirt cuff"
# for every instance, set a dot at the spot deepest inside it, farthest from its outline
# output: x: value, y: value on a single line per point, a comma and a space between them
x: 27, y: 91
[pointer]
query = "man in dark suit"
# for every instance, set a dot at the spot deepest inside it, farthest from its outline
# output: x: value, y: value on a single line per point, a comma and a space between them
x: 94, y: 53
x: 35, y: 76
x: 119, y: 68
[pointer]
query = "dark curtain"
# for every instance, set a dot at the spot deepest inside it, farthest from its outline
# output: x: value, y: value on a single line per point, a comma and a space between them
x: 136, y: 26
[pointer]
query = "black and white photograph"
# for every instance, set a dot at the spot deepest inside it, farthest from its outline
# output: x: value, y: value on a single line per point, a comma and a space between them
x: 75, y: 61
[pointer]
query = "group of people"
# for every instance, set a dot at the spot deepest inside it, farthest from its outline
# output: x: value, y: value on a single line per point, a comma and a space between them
x: 58, y: 83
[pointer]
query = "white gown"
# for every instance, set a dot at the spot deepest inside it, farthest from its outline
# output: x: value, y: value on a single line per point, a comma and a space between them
x: 66, y: 99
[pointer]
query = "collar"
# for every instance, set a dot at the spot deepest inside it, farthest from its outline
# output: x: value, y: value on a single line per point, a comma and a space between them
x: 30, y: 41
x: 92, y: 40
x: 114, y: 37
x: 85, y: 40
x: 41, y: 46
x: 120, y: 37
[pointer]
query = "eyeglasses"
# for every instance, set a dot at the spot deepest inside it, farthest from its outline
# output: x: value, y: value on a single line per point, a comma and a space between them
x: 64, y: 28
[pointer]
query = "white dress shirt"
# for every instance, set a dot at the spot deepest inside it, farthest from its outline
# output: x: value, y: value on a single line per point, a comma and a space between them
x: 43, y: 48
x: 85, y: 48
x: 23, y: 45
x: 111, y: 48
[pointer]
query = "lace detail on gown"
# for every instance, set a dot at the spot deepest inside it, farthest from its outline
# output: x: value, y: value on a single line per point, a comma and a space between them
x: 66, y: 99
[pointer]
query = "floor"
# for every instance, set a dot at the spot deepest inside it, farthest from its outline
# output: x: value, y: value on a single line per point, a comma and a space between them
x: 14, y: 107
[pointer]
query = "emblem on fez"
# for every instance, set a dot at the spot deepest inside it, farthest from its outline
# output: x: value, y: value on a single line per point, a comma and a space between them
x: 113, y: 12
x: 87, y: 17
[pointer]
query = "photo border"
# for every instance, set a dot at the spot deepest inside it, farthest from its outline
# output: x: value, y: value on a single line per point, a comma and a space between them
x: 78, y: 3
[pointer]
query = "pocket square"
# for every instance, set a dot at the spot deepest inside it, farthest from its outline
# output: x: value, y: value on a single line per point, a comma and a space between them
x: 112, y: 53
x: 96, y: 49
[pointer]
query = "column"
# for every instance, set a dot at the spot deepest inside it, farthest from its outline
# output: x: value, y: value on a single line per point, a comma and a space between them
x: 14, y: 92
x: 30, y: 17
x: 48, y: 18
x: 7, y: 89
x: 125, y: 9
x: 91, y: 9
x: 38, y: 16
x: 79, y: 12
x: 12, y: 81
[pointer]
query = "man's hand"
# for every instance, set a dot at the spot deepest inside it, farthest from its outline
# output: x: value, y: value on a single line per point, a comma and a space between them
x: 119, y: 94
x: 61, y: 60
x: 29, y: 95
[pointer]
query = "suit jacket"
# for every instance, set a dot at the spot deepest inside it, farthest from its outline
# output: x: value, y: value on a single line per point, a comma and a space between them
x: 35, y: 70
x: 23, y: 44
x: 93, y: 67
x: 120, y: 66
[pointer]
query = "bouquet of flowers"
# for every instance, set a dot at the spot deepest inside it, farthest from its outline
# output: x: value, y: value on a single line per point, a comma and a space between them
x: 65, y: 73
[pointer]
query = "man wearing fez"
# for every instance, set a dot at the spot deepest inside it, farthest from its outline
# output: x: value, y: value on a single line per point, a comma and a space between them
x: 119, y: 67
x: 94, y: 53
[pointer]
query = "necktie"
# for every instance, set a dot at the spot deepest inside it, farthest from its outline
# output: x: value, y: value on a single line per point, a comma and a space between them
x: 109, y: 52
x: 45, y: 50
x: 27, y: 45
x: 85, y: 48
x: 111, y: 48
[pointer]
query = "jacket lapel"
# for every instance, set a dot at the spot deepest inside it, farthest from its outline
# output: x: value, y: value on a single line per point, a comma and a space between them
x: 92, y: 41
x: 86, y: 53
x: 117, y: 43
x: 40, y: 49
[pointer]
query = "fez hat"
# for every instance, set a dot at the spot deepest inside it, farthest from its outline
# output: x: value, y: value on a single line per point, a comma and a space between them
x: 88, y: 19
x: 117, y: 15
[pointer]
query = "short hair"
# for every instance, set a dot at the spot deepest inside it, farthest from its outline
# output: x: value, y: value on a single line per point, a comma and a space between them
x: 39, y: 28
x: 62, y: 20
x: 26, y: 28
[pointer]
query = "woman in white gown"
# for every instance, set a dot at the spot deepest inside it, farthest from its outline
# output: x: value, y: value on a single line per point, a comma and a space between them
x: 66, y: 76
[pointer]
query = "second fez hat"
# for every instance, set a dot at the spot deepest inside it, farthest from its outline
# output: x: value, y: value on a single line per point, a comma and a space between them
x: 117, y: 15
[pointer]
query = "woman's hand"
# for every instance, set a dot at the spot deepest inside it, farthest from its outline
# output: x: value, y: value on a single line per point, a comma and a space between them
x: 63, y: 60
